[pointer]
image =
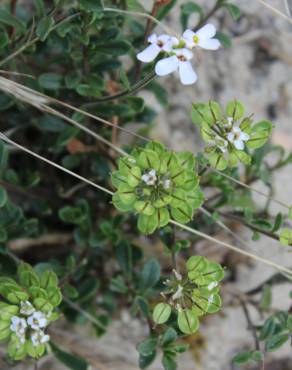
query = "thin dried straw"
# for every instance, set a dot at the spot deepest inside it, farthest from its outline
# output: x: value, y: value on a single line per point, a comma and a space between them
x: 276, y: 11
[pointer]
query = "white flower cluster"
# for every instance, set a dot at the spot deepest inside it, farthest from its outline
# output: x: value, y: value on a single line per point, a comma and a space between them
x: 150, y: 179
x: 179, y: 52
x: 235, y: 137
x: 33, y: 322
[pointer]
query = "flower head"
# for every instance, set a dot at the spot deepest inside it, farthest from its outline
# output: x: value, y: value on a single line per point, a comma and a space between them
x: 37, y: 320
x: 157, y: 44
x: 18, y: 325
x: 39, y: 337
x: 203, y: 38
x: 159, y: 183
x: 149, y: 177
x: 179, y: 61
x: 193, y: 295
x: 237, y: 137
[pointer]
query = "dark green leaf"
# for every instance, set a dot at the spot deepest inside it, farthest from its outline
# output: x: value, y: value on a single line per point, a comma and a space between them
x: 234, y: 11
x: 71, y: 361
x: 150, y: 274
x: 44, y: 27
x: 276, y: 342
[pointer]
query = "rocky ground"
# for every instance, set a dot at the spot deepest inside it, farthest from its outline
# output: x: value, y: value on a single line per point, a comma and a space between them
x: 258, y: 71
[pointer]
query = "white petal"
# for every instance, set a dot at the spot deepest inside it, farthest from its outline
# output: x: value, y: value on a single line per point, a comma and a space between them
x: 188, y: 34
x: 237, y: 130
x: 174, y: 41
x: 230, y: 136
x: 206, y: 32
x: 186, y: 53
x: 187, y: 75
x: 239, y: 145
x: 149, y: 54
x: 45, y: 338
x: 244, y: 136
x: 152, y: 38
x: 164, y: 38
x: 167, y: 46
x: 209, y: 44
x: 166, y: 66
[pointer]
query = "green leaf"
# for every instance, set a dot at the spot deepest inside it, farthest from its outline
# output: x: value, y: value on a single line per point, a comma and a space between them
x: 145, y: 361
x: 168, y: 361
x: 161, y: 313
x: 114, y: 48
x: 16, y: 297
x: 49, y: 280
x: 54, y: 296
x: 91, y: 5
x: 286, y: 237
x: 43, y: 305
x: 257, y: 356
x: 217, y: 160
x: 11, y: 20
x: 3, y: 197
x: 150, y: 274
x: 242, y: 358
x: 187, y: 10
x: 259, y: 134
x: 44, y: 27
x: 28, y: 279
x: 266, y: 300
x: 188, y: 321
x: 147, y: 224
x: 134, y: 5
x: 147, y: 347
x: 278, y: 222
x: 224, y: 39
x: 182, y: 214
x: 71, y: 361
x: 235, y: 109
x: 234, y: 11
x: 50, y: 81
x: 168, y: 337
x: 290, y: 213
x: 268, y: 329
x: 276, y: 342
x: 3, y: 157
x: 124, y: 79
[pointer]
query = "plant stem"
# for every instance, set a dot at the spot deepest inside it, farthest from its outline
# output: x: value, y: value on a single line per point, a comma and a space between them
x: 210, y: 14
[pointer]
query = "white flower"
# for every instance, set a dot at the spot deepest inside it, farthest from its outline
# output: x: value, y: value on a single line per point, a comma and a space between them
x: 39, y: 337
x: 203, y: 38
x: 157, y: 44
x: 237, y: 138
x: 166, y: 183
x: 37, y: 320
x: 181, y: 62
x: 150, y: 178
x: 18, y: 325
x: 26, y: 308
